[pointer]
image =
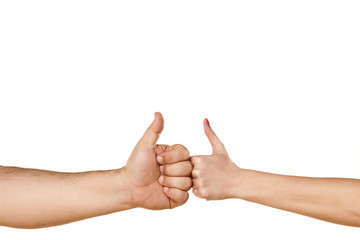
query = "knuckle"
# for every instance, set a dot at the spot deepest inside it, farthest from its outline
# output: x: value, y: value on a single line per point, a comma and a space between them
x: 182, y: 198
x: 188, y: 167
x: 177, y: 146
x: 186, y: 197
x: 188, y: 183
x: 183, y: 152
x: 195, y: 173
x: 196, y: 160
x: 180, y: 148
x: 203, y: 193
x: 196, y: 192
x: 188, y: 164
x: 186, y: 153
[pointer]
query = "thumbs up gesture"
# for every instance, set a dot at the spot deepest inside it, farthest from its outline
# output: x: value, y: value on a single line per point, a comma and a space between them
x: 214, y: 176
x: 144, y: 175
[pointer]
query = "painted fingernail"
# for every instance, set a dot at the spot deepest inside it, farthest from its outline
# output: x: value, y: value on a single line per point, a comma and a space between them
x: 166, y: 188
x: 160, y: 159
x: 207, y: 122
x: 161, y: 179
x: 162, y: 169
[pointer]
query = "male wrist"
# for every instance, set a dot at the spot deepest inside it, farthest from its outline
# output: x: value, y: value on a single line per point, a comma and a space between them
x: 124, y: 189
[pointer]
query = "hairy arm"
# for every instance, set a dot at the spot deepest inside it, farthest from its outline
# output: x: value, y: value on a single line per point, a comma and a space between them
x: 32, y: 198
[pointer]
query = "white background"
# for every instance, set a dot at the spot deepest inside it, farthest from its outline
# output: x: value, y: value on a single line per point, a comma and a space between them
x: 278, y: 80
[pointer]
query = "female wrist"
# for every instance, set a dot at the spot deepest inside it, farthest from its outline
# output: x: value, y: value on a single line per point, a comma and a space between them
x: 242, y: 183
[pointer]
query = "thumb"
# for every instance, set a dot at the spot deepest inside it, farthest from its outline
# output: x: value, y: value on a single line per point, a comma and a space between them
x: 217, y: 145
x: 152, y: 134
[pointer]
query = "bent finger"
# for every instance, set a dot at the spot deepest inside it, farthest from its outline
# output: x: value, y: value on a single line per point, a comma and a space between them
x: 179, y: 169
x: 177, y: 196
x: 183, y: 183
x: 177, y: 153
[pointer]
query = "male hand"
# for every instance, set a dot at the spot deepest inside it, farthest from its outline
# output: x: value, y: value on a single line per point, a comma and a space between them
x: 142, y: 171
x: 214, y: 176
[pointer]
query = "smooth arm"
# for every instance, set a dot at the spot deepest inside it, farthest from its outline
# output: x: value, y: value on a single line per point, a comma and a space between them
x: 216, y: 177
x: 334, y: 200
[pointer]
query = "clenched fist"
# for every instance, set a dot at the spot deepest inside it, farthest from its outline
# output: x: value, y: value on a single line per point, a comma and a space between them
x: 175, y: 171
x: 214, y: 176
x: 142, y: 171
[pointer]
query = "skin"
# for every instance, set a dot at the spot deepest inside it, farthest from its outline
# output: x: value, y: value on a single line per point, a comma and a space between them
x: 32, y: 198
x: 216, y: 177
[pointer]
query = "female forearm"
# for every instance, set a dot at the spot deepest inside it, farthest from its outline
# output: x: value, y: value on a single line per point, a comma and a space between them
x: 32, y: 198
x: 216, y: 177
x: 335, y: 200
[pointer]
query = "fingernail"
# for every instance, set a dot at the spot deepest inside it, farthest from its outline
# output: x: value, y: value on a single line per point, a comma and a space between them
x: 161, y: 179
x: 160, y: 159
x: 166, y: 188
x: 207, y: 122
x: 162, y: 169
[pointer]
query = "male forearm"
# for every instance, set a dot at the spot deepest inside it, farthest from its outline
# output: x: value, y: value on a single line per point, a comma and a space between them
x: 32, y: 198
x: 331, y: 199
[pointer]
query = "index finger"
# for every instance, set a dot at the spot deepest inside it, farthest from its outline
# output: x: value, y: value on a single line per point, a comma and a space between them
x: 176, y: 153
